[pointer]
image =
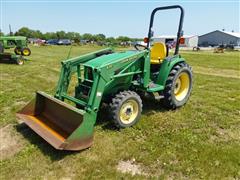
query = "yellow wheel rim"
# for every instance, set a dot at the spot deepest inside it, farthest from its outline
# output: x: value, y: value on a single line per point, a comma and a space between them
x: 129, y: 111
x: 25, y: 52
x: 182, y: 86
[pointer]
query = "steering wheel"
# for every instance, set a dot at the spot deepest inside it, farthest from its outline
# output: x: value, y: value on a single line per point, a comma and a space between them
x: 139, y: 45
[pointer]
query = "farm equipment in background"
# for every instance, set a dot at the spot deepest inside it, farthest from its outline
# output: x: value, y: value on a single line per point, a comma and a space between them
x: 114, y: 78
x: 11, y: 58
x: 19, y: 43
x: 196, y: 48
x: 219, y: 49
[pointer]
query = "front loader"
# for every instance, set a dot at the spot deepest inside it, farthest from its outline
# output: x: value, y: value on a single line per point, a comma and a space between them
x: 67, y: 121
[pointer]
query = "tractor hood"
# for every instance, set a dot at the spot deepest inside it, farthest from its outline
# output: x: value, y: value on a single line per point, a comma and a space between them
x: 13, y: 38
x: 111, y: 58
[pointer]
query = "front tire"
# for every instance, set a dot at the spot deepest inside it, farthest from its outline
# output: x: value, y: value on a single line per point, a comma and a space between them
x: 178, y: 86
x: 126, y: 109
x: 1, y: 48
x: 17, y: 51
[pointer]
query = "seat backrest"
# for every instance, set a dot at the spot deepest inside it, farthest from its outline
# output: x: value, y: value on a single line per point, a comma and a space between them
x: 158, y: 52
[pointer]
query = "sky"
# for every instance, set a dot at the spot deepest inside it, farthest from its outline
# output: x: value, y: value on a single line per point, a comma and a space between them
x: 118, y: 18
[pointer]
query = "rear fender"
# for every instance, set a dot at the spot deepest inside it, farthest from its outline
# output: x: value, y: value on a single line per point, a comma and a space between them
x: 166, y: 67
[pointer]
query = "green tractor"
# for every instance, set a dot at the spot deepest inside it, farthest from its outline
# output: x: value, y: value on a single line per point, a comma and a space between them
x: 114, y: 78
x: 19, y: 43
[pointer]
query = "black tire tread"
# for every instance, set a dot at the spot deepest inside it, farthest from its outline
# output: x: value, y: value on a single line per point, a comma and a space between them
x: 1, y: 48
x: 168, y: 99
x: 117, y: 101
x: 16, y: 52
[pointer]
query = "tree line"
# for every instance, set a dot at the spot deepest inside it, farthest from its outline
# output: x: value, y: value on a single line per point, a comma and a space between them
x: 29, y: 33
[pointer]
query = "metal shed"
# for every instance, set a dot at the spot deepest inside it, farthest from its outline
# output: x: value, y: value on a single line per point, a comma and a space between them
x: 217, y: 37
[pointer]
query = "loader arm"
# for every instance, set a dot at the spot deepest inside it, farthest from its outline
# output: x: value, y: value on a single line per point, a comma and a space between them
x: 60, y: 124
x: 71, y: 66
x: 103, y: 75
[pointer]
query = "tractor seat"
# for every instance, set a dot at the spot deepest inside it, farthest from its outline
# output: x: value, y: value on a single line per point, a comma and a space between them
x: 158, y: 52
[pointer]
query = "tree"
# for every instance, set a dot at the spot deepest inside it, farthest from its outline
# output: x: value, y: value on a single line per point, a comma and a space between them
x: 50, y: 35
x: 37, y: 34
x: 77, y: 37
x: 24, y: 31
x: 123, y: 39
x: 111, y: 41
x: 61, y: 34
x: 87, y: 36
x: 100, y: 37
x: 70, y: 35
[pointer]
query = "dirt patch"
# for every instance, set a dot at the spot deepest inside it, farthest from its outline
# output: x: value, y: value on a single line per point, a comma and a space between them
x: 225, y: 135
x: 217, y: 72
x: 228, y: 134
x: 131, y: 167
x: 10, y: 143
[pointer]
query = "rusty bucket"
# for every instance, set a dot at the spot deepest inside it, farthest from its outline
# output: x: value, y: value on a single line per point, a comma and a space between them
x: 60, y: 124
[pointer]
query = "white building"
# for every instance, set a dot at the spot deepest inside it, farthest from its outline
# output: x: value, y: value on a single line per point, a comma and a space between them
x: 189, y: 40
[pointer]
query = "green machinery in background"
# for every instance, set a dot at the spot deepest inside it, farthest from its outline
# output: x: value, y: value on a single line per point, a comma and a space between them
x: 114, y: 78
x: 19, y: 43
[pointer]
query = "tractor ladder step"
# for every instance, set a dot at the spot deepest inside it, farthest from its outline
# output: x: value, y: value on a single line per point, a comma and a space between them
x: 152, y: 87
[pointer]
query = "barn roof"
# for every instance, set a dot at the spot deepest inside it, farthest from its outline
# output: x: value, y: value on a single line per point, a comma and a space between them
x: 235, y: 34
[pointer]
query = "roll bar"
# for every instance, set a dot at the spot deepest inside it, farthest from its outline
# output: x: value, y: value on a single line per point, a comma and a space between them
x: 179, y: 33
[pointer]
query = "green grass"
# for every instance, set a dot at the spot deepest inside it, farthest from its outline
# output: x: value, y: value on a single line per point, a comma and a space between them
x: 199, y: 140
x: 226, y: 60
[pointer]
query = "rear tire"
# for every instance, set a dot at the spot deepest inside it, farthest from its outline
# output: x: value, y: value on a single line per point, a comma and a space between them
x: 26, y: 51
x: 178, y: 86
x: 126, y: 109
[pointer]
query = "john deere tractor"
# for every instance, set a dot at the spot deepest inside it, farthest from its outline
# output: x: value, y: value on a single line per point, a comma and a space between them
x: 19, y: 43
x: 114, y: 78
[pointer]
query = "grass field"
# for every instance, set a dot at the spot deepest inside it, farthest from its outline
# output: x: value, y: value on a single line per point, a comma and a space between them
x: 198, y: 141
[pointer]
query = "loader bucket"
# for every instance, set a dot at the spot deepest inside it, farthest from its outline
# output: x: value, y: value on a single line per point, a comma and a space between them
x: 60, y: 124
